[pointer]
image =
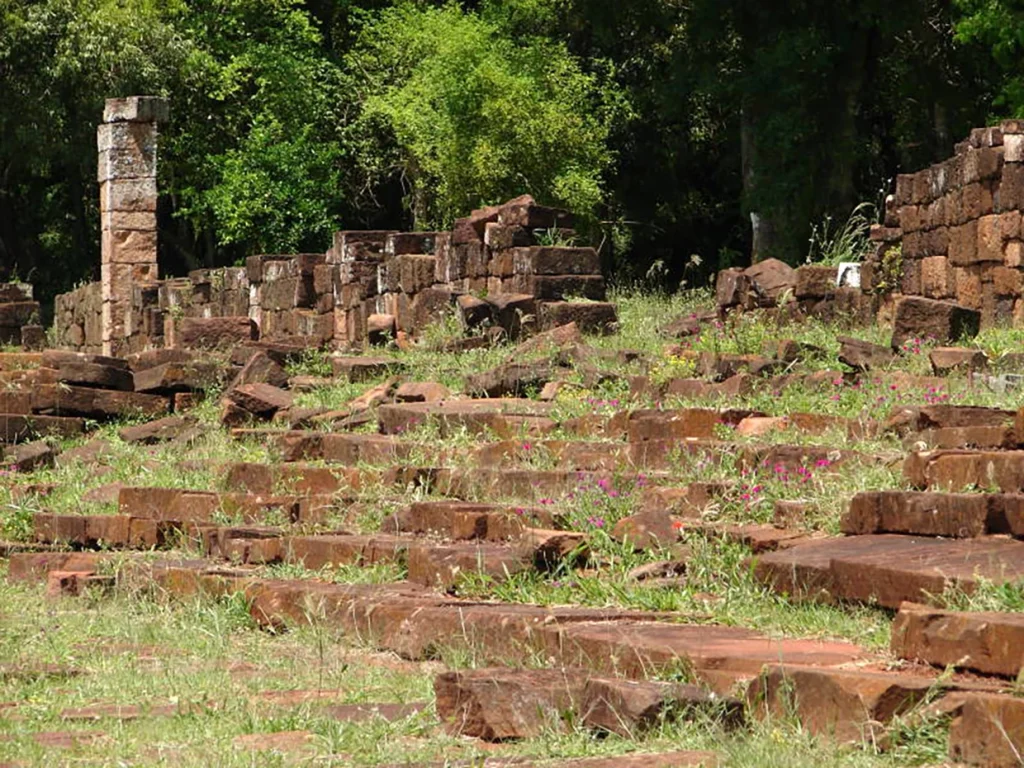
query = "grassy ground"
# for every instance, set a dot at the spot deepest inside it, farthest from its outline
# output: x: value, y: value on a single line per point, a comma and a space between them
x: 208, y: 657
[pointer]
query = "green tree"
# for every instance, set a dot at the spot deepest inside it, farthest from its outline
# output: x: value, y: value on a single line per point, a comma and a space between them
x: 998, y: 25
x: 466, y: 115
x: 59, y: 60
x: 254, y: 148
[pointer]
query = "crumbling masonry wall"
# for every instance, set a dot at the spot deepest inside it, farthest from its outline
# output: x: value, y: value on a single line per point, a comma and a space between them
x: 958, y: 227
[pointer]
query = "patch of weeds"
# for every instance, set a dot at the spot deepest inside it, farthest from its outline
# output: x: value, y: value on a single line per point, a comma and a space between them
x: 986, y: 595
x: 312, y: 362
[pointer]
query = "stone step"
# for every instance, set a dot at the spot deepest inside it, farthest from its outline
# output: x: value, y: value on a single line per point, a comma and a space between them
x: 442, y: 565
x: 957, y: 470
x: 987, y: 642
x: 719, y: 656
x: 953, y: 515
x: 505, y: 417
x: 18, y: 428
x: 501, y: 703
x: 183, y: 505
x: 297, y: 479
x: 525, y: 485
x: 848, y: 705
x: 890, y: 569
x: 461, y: 520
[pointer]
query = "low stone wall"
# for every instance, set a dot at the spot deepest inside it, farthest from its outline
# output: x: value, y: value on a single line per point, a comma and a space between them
x: 376, y: 284
x: 78, y: 319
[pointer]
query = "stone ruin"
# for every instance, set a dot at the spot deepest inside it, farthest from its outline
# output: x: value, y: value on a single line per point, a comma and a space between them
x: 951, y: 241
x: 19, y: 317
x: 491, y: 268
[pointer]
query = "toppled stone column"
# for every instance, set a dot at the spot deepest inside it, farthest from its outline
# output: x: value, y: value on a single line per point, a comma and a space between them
x: 127, y: 142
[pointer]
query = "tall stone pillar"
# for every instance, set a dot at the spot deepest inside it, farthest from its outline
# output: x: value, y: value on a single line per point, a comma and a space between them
x: 127, y: 175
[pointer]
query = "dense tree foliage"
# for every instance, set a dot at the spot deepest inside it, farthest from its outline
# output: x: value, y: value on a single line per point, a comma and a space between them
x: 711, y: 127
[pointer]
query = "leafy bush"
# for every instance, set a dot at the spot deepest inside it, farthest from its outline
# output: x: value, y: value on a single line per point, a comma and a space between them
x: 467, y: 116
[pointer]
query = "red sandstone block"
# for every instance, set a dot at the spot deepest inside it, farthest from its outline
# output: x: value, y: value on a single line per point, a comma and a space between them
x: 498, y: 704
x: 848, y: 705
x: 989, y: 731
x: 986, y: 642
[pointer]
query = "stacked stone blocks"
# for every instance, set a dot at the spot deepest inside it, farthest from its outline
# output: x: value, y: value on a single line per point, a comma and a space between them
x: 127, y: 145
x: 958, y: 224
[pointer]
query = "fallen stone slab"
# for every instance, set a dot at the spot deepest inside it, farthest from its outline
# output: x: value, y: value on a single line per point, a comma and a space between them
x: 863, y: 355
x: 759, y: 538
x: 316, y: 552
x: 921, y: 318
x: 421, y: 392
x: 682, y: 423
x: 99, y: 375
x: 151, y: 358
x: 99, y: 404
x: 364, y: 713
x: 648, y: 529
x: 596, y: 317
x: 987, y: 642
x: 947, y: 360
x: 184, y: 506
x: 847, y: 705
x: 524, y: 485
x: 175, y: 377
x: 25, y: 672
x: 720, y: 367
x: 920, y: 418
x: 417, y: 623
x: 985, y: 438
x: 989, y: 731
x: 683, y: 759
x: 15, y: 401
x: 280, y: 741
x: 123, y: 712
x: 159, y: 431
x: 67, y: 739
x: 956, y: 470
x: 356, y: 369
x: 890, y: 569
x: 719, y: 656
x: 34, y: 566
x: 16, y: 427
x: 28, y: 457
x: 75, y: 583
x: 511, y: 379
x: 631, y: 707
x: 262, y: 400
x: 462, y: 520
x: 574, y: 455
x: 791, y: 460
x: 261, y: 368
x: 496, y: 704
x: 293, y: 479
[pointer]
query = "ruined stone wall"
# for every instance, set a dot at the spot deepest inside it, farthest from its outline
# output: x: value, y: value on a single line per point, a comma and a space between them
x: 958, y: 225
x: 78, y: 319
x: 19, y: 316
x: 376, y: 284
